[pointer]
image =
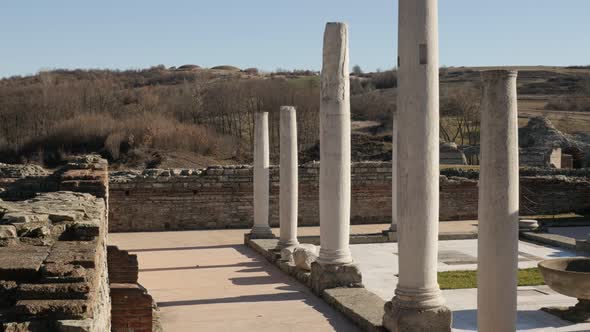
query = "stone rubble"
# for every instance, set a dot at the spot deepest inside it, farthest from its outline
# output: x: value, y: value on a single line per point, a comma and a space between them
x: 304, y: 255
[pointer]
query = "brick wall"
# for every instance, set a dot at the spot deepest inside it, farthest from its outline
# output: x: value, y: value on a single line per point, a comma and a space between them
x: 131, y: 308
x: 131, y: 305
x: 63, y: 286
x: 218, y: 197
x: 123, y: 267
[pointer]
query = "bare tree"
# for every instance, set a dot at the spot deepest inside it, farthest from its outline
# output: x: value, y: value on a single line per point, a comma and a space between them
x: 460, y: 115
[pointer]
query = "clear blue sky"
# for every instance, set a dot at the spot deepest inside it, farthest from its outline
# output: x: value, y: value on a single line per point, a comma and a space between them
x: 268, y: 34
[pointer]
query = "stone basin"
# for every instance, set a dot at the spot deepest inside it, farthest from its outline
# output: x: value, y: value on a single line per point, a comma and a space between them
x: 568, y: 276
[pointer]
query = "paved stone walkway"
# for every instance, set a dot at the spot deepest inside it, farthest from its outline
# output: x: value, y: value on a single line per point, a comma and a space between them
x: 209, y: 281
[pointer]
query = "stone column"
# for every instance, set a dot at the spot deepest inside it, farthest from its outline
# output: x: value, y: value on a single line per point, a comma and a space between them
x: 261, y: 229
x: 394, y: 161
x: 334, y: 267
x: 498, y: 203
x: 418, y: 304
x: 288, y: 176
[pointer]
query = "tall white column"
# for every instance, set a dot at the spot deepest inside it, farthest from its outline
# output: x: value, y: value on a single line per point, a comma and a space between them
x: 418, y: 304
x: 335, y: 147
x: 334, y: 266
x: 261, y: 227
x: 394, y: 161
x: 498, y: 203
x: 289, y: 178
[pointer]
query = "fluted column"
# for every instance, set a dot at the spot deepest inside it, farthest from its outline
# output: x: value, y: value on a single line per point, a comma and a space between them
x: 289, y: 178
x: 498, y: 203
x: 418, y: 304
x: 261, y: 228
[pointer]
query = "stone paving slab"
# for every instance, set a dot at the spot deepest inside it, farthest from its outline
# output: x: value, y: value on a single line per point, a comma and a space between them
x: 579, y: 233
x: 364, y: 307
x: 210, y: 281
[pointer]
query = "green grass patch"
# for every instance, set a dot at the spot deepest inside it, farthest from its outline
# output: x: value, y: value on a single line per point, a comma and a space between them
x: 305, y: 81
x: 468, y: 279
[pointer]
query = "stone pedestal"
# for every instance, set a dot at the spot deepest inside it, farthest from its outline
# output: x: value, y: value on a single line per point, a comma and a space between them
x: 289, y: 178
x: 401, y: 319
x: 332, y: 276
x: 418, y: 304
x: 498, y: 204
x: 261, y: 228
x: 334, y: 266
x: 580, y: 313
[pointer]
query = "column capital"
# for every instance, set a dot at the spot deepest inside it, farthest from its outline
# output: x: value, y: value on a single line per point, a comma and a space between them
x: 497, y: 74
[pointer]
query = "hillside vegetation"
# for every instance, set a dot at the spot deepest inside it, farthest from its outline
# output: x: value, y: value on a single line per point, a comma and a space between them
x: 190, y: 116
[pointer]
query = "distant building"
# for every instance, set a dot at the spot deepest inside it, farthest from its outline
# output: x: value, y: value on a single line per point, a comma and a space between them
x: 541, y: 157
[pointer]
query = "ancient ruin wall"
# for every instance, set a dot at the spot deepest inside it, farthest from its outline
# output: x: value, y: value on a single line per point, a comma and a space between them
x: 131, y: 303
x: 218, y: 197
x: 53, y: 266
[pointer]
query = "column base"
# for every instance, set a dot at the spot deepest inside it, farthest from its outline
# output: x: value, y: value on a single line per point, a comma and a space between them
x: 325, y: 276
x: 261, y: 233
x: 402, y: 319
x: 390, y: 234
x: 287, y: 244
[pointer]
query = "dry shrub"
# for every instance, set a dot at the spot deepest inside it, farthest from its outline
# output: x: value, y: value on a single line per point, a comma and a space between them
x: 569, y: 103
x: 116, y: 137
x: 113, y: 143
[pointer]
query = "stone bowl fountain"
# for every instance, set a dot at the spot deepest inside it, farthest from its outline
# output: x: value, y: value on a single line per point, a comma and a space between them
x: 569, y: 277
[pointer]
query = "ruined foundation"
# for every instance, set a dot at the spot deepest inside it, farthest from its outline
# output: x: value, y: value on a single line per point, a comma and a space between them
x: 333, y: 276
x: 53, y: 259
x: 401, y: 319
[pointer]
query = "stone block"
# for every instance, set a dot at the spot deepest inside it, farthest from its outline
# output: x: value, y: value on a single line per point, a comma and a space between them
x: 21, y: 218
x: 358, y: 304
x: 60, y: 272
x: 287, y: 253
x: 21, y: 262
x: 325, y: 276
x: 401, y: 319
x: 59, y: 291
x: 7, y: 232
x: 84, y: 231
x: 54, y: 309
x: 304, y: 255
x: 85, y: 325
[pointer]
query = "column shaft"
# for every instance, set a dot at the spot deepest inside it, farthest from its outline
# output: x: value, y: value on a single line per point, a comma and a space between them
x: 289, y: 178
x: 418, y: 152
x: 498, y: 203
x: 394, y: 162
x: 261, y: 227
x: 418, y: 304
x: 335, y: 147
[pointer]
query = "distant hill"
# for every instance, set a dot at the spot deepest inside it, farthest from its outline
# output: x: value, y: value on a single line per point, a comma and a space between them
x: 160, y: 116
